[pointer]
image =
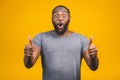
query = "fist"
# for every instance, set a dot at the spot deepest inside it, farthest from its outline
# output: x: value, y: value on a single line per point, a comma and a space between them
x: 92, y: 50
x: 29, y: 48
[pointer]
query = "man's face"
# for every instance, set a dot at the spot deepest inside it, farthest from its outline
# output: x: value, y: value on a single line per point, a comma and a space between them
x: 60, y: 20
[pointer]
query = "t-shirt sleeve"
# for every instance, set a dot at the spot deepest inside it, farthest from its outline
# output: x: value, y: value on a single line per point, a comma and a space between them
x: 38, y: 40
x: 85, y: 43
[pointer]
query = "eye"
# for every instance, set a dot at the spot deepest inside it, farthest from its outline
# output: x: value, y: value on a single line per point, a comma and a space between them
x: 56, y: 16
x: 64, y: 15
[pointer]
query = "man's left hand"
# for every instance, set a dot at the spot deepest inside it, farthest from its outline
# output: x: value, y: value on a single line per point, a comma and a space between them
x: 92, y: 50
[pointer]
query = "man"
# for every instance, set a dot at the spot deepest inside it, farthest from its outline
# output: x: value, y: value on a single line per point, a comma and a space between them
x: 61, y: 50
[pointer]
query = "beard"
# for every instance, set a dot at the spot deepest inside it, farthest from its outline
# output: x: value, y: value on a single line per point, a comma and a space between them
x: 65, y: 27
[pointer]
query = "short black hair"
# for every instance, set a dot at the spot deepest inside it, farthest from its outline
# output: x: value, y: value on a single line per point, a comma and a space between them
x: 61, y: 7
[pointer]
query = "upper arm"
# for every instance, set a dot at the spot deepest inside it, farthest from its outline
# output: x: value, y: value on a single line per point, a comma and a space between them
x: 37, y: 41
x: 84, y: 45
x: 86, y: 57
x: 84, y: 48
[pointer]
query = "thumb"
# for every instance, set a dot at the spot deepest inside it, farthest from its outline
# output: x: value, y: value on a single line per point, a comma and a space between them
x: 30, y: 40
x: 91, y: 40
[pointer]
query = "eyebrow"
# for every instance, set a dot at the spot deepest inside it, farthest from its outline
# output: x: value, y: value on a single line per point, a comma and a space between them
x: 62, y: 11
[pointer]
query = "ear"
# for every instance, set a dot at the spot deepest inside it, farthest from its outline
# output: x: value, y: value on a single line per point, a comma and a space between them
x: 69, y: 18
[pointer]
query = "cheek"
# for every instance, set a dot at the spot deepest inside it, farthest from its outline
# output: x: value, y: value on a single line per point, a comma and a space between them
x: 55, y: 21
x: 67, y: 20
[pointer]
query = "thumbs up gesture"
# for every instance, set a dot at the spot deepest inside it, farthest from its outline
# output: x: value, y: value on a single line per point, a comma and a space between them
x: 92, y: 50
x: 29, y: 48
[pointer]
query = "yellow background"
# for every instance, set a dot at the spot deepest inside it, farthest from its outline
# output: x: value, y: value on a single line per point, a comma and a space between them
x: 20, y: 18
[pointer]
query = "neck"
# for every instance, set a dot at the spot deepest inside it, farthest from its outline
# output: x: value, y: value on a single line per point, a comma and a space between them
x: 67, y: 33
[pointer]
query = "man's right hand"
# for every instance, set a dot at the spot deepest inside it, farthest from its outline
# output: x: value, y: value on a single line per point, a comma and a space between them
x: 31, y: 52
x: 29, y: 48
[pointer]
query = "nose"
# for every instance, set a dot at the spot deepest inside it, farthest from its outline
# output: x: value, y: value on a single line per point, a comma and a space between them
x: 60, y: 18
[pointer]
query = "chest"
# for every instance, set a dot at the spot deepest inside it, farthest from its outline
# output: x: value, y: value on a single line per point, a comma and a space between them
x: 68, y: 45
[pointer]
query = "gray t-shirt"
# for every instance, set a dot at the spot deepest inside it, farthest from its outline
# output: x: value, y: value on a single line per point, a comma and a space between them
x: 61, y: 56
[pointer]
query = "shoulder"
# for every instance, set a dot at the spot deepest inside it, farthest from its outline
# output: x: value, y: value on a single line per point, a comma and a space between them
x: 42, y: 34
x: 81, y: 36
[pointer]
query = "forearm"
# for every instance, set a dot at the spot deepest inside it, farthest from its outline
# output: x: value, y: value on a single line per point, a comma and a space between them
x: 31, y: 54
x: 93, y: 63
x: 28, y: 62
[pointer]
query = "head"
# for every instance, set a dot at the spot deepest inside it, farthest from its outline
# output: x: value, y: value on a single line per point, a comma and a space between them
x: 60, y: 19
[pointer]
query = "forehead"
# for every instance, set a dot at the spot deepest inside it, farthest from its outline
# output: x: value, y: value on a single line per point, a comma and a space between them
x: 62, y: 9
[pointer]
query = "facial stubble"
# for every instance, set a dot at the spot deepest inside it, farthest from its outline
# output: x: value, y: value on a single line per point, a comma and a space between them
x: 65, y: 27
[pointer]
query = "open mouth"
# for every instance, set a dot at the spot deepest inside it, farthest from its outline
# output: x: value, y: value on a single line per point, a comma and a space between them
x: 60, y: 26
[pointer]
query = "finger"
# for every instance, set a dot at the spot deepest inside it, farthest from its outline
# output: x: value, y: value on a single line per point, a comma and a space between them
x: 92, y: 47
x: 30, y: 40
x: 92, y: 51
x: 93, y: 54
x: 28, y: 49
x: 28, y: 54
x: 91, y: 40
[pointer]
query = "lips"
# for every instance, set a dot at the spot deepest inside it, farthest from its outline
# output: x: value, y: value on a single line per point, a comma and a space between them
x: 60, y: 26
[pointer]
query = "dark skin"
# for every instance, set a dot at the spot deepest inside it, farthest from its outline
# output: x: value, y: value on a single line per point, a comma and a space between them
x: 32, y: 52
